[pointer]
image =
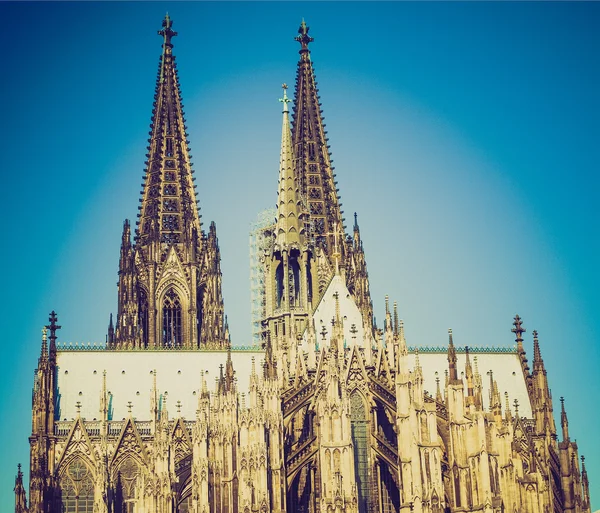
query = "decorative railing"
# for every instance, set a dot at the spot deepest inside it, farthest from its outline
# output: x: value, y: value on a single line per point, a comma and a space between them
x: 93, y: 427
x: 97, y: 346
x: 62, y: 428
x: 474, y: 349
x: 144, y: 427
x: 115, y: 427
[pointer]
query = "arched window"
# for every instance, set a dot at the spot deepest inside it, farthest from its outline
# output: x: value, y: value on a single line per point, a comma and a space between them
x: 171, y: 320
x: 294, y: 282
x: 199, y: 313
x: 358, y: 425
x: 126, y: 481
x: 144, y: 317
x: 279, y: 284
x: 77, y: 488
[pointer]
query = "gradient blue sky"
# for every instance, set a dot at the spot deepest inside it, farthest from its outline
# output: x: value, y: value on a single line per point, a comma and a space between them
x: 465, y: 135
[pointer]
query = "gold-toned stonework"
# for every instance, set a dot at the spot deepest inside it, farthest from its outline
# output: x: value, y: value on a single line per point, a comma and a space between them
x: 328, y: 413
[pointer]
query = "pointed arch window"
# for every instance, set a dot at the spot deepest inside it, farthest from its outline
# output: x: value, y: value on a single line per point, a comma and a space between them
x: 358, y: 426
x: 171, y: 330
x: 294, y: 282
x: 144, y: 317
x: 279, y: 284
x: 125, y: 496
x: 77, y: 489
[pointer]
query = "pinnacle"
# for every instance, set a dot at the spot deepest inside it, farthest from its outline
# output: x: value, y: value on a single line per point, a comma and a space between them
x: 289, y: 228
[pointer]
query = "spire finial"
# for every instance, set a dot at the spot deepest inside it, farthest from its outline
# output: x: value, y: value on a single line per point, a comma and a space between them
x: 355, y: 222
x: 53, y: 327
x: 285, y: 100
x: 303, y: 38
x: 167, y: 32
x: 518, y: 330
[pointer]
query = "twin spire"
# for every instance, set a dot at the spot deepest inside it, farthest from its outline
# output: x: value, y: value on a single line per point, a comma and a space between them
x: 312, y: 161
x: 169, y: 210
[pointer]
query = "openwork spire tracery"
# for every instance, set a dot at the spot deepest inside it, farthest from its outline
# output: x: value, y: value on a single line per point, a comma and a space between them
x: 169, y: 211
x: 312, y: 159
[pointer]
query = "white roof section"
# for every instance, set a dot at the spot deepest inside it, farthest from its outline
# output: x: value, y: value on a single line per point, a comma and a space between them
x: 349, y: 313
x: 129, y: 378
x: 505, y: 367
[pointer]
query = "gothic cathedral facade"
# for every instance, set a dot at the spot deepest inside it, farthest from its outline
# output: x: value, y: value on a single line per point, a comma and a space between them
x: 326, y: 414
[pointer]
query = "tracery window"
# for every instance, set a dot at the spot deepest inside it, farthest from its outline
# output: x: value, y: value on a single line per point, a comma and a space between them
x: 170, y: 205
x: 126, y: 481
x: 144, y: 317
x: 171, y: 320
x: 77, y: 488
x: 358, y: 425
x: 170, y: 222
x: 170, y: 190
x: 294, y: 282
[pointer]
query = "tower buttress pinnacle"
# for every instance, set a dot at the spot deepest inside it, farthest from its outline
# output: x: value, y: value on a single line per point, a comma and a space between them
x: 453, y: 373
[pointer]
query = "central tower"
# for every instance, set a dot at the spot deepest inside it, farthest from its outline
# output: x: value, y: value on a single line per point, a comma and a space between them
x: 170, y: 277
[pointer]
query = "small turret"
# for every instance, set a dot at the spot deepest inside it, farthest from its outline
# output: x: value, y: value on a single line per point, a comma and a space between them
x: 20, y: 495
x: 453, y: 372
x: 564, y: 422
x: 110, y: 337
x: 229, y: 373
x: 469, y: 377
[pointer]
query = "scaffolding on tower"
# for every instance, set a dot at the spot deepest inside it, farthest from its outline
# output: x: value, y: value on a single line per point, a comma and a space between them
x: 261, y: 237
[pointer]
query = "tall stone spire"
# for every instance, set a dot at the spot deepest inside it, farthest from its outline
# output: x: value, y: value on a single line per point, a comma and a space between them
x: 169, y: 211
x: 170, y: 277
x: 289, y: 229
x: 312, y: 158
x: 290, y: 270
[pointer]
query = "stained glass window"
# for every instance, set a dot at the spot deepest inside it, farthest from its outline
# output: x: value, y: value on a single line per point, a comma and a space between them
x: 171, y: 320
x: 358, y: 423
x: 77, y: 489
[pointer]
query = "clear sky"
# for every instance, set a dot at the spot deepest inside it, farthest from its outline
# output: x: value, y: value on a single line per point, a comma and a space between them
x: 466, y: 137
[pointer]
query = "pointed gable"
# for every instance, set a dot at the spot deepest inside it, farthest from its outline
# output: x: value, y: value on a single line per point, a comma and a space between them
x: 350, y: 315
x: 130, y: 443
x: 78, y: 443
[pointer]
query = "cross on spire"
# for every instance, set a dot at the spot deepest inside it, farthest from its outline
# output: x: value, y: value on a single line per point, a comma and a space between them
x: 285, y: 100
x: 303, y: 38
x: 323, y: 331
x: 53, y: 327
x: 166, y: 31
x: 518, y: 330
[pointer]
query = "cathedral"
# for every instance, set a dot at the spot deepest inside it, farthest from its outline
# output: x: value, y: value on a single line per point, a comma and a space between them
x: 327, y: 412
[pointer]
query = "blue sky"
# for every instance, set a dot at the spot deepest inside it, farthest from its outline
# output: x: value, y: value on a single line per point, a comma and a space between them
x: 465, y: 135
